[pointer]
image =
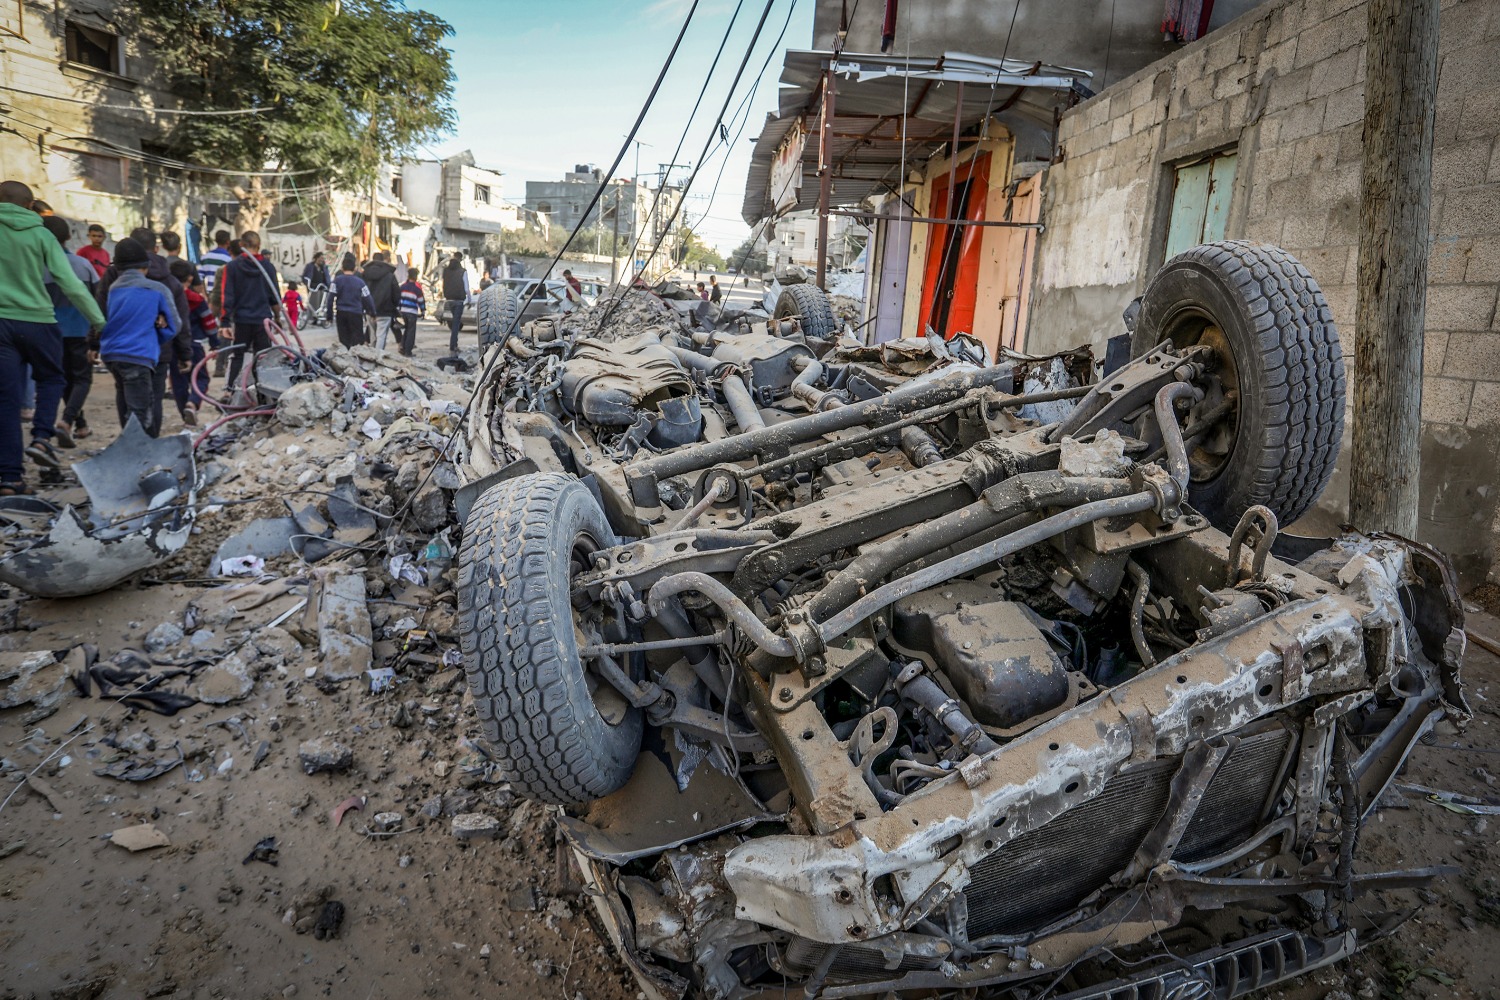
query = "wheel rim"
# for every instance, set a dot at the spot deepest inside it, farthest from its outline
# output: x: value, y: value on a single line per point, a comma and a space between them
x: 1214, y: 451
x: 594, y: 623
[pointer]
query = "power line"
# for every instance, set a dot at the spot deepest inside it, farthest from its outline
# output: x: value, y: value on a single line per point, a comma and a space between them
x: 662, y: 184
x: 141, y: 109
x: 556, y: 259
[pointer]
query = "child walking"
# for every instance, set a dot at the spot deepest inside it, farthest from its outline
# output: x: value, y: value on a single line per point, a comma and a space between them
x: 292, y: 301
x: 141, y: 319
x: 413, y: 306
x: 354, y: 303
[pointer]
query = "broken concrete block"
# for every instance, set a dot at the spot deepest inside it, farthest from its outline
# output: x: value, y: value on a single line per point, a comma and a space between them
x: 475, y: 826
x: 277, y: 646
x: 305, y: 403
x: 231, y: 679
x: 340, y: 468
x: 344, y: 633
x: 387, y: 822
x: 429, y: 508
x: 324, y: 754
x: 164, y: 636
x: 35, y: 678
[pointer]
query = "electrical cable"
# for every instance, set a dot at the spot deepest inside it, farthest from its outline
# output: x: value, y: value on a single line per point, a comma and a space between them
x: 122, y: 107
x: 677, y: 151
x: 764, y: 64
x: 405, y: 508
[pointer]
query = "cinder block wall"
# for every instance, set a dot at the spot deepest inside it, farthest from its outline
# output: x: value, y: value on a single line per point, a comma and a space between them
x: 1284, y: 85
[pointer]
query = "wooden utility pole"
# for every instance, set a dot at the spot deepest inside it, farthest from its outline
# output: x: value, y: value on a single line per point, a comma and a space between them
x: 1400, y: 95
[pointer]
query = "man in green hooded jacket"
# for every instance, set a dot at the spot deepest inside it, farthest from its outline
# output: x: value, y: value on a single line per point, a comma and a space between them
x: 29, y: 334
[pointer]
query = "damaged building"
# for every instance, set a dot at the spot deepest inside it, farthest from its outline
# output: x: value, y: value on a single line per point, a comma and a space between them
x: 1065, y: 207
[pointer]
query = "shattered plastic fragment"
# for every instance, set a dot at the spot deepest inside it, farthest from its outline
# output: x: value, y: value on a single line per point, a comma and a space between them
x: 242, y: 566
x: 356, y: 802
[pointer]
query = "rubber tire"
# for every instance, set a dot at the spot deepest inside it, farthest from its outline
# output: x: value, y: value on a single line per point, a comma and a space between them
x: 524, y: 671
x: 1289, y: 364
x: 810, y: 304
x: 495, y: 312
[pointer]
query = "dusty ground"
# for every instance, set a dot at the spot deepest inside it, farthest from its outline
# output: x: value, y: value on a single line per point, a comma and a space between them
x: 426, y: 914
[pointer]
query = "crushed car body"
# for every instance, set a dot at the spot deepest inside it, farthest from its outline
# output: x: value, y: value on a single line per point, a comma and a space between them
x: 873, y: 669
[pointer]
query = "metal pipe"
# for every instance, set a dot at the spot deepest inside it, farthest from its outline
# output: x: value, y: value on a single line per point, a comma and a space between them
x: 919, y: 447
x: 1171, y: 430
x: 718, y: 491
x: 1138, y: 612
x: 643, y: 476
x: 967, y: 562
x: 922, y: 691
x: 741, y: 404
x: 692, y: 359
x: 1029, y: 491
x: 733, y: 608
x: 929, y: 221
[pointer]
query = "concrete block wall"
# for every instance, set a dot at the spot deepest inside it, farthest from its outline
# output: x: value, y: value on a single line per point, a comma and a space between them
x: 1284, y: 86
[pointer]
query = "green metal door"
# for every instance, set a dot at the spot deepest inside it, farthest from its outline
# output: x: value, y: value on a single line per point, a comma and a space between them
x: 1200, y: 202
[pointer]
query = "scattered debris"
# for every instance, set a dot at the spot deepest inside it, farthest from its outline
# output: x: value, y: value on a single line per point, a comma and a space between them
x: 139, y: 838
x: 324, y: 754
x: 141, y: 494
x: 330, y: 919
x: 475, y: 826
x: 264, y: 851
x: 352, y: 802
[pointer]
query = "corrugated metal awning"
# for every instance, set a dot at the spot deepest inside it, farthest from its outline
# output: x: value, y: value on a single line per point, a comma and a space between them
x: 884, y: 104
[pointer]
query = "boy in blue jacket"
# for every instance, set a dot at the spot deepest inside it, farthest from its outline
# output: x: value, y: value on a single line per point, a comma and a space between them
x: 142, y: 318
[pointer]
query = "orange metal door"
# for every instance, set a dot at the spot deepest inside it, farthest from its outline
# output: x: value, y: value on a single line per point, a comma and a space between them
x: 950, y: 282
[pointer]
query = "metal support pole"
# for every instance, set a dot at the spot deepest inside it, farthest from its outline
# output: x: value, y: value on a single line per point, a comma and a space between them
x: 958, y: 117
x: 825, y: 177
x: 1395, y: 205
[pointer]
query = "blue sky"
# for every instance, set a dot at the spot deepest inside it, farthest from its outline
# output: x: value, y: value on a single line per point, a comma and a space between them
x: 542, y: 86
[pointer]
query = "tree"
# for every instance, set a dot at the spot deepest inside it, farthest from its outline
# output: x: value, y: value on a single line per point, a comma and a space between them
x: 750, y: 257
x: 339, y: 87
x: 694, y: 254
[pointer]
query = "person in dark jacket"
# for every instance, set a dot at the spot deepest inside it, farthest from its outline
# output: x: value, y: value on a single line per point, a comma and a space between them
x: 315, y: 276
x: 252, y: 294
x: 353, y: 304
x: 385, y: 291
x: 457, y: 294
x: 158, y: 270
x: 140, y: 325
x: 78, y: 370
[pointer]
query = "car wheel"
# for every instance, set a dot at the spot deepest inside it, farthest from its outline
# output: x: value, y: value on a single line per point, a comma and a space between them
x: 810, y: 306
x: 561, y: 734
x: 1278, y: 351
x: 495, y: 314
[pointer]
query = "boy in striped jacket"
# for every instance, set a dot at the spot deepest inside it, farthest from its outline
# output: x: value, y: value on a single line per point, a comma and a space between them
x: 413, y: 305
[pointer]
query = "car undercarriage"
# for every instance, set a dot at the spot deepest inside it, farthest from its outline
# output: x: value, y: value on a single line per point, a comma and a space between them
x: 859, y: 669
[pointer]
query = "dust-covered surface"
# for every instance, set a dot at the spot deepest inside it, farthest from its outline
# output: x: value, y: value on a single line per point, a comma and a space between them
x: 403, y: 865
x: 220, y: 910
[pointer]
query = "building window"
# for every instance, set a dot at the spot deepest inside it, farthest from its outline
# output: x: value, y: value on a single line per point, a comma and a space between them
x: 396, y: 187
x: 94, y: 47
x: 1200, y: 201
x: 544, y: 207
x: 110, y: 174
x: 482, y: 194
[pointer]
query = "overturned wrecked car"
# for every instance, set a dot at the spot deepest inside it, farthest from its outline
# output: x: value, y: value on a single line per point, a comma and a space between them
x: 860, y: 670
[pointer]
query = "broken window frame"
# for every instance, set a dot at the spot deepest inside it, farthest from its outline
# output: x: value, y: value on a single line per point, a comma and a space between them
x: 80, y: 40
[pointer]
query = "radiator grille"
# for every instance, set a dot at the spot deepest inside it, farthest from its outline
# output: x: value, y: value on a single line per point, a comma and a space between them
x: 1044, y: 874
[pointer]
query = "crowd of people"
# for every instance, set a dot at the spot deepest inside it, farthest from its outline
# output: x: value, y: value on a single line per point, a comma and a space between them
x: 151, y: 319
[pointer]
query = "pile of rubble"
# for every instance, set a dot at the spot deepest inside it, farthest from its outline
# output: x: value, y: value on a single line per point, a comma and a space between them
x: 262, y: 699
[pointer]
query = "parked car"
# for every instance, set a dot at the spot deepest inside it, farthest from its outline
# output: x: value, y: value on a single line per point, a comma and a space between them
x: 871, y: 670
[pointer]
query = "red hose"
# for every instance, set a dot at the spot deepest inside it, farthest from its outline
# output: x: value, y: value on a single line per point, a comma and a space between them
x: 233, y: 416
